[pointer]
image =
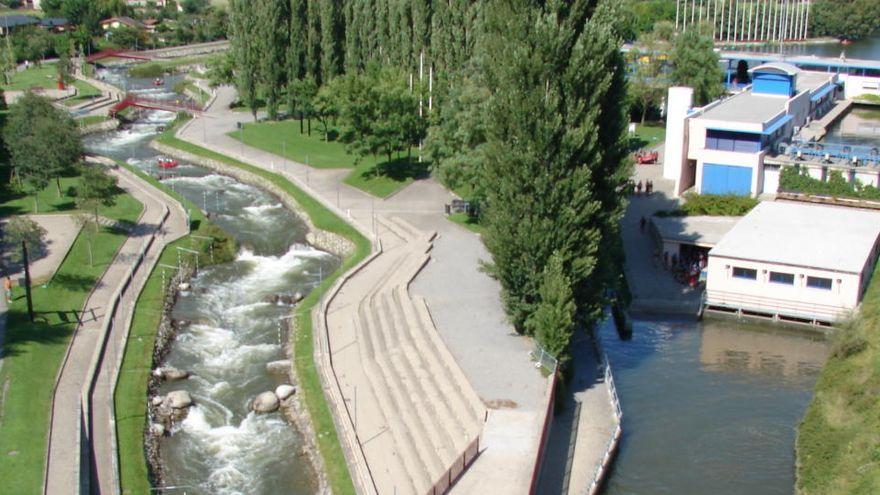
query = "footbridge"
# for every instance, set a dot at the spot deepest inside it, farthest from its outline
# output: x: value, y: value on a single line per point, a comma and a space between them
x: 115, y: 54
x: 134, y: 100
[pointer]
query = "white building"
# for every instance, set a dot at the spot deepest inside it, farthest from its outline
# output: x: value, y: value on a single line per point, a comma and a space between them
x: 797, y: 261
x: 720, y: 148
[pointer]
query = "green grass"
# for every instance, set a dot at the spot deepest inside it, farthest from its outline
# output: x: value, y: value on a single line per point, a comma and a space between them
x: 126, y: 208
x: 373, y: 175
x: 838, y: 448
x: 312, y: 392
x: 85, y: 91
x: 648, y: 135
x: 36, y: 77
x: 467, y: 222
x: 33, y: 353
x: 92, y: 119
x: 130, y: 395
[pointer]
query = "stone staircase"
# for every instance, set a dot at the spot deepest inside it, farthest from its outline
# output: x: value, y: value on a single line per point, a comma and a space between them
x: 432, y: 412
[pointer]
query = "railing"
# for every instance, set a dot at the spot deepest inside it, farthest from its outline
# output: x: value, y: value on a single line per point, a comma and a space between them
x: 545, y: 429
x: 811, y: 311
x: 459, y: 465
x: 834, y: 150
x: 611, y: 446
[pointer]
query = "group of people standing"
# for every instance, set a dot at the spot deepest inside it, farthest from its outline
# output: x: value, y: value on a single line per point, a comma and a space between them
x: 649, y: 187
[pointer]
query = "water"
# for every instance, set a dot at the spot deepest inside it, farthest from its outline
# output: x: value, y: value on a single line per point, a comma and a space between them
x: 710, y: 407
x: 222, y: 447
x: 859, y: 127
x: 865, y: 49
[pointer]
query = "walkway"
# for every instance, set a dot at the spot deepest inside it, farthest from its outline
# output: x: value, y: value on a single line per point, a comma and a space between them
x: 63, y: 459
x: 463, y: 301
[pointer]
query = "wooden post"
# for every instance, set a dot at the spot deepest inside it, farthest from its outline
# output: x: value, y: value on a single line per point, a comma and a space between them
x: 27, y: 280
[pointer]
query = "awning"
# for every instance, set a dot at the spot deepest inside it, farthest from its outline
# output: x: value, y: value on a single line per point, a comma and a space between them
x: 822, y: 93
x: 776, y: 125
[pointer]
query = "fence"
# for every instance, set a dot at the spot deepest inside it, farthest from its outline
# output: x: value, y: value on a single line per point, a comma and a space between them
x: 458, y: 466
x: 611, y: 446
x: 545, y: 429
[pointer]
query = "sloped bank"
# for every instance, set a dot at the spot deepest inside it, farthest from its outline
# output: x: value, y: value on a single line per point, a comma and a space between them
x: 327, y: 231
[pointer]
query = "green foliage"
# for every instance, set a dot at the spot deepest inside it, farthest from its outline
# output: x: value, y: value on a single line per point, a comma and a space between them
x: 97, y: 188
x: 796, y: 179
x: 552, y: 322
x: 246, y: 49
x: 838, y: 439
x: 149, y: 69
x: 718, y: 204
x: 20, y: 228
x: 848, y: 19
x: 648, y: 82
x: 274, y: 19
x: 695, y: 64
x: 555, y: 159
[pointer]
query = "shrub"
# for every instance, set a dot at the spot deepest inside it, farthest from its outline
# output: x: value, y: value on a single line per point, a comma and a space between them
x: 147, y: 70
x: 718, y: 204
x: 796, y: 179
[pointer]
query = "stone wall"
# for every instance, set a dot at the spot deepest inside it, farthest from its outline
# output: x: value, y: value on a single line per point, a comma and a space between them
x: 107, y: 125
x: 321, y: 239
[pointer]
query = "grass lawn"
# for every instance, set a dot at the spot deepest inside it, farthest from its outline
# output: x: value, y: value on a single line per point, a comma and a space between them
x: 42, y: 77
x: 33, y: 353
x: 467, y: 222
x: 85, y: 91
x: 91, y: 119
x: 130, y: 395
x: 648, y: 135
x: 126, y: 209
x: 838, y: 448
x: 311, y: 390
x: 285, y: 139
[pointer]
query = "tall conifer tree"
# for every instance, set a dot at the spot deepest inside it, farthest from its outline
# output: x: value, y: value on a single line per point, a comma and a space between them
x: 297, y: 45
x: 332, y: 36
x: 274, y: 24
x: 246, y: 51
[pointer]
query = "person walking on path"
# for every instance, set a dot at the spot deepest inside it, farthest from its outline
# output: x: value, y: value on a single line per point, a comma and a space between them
x: 639, y: 188
x: 642, y: 223
x: 7, y: 288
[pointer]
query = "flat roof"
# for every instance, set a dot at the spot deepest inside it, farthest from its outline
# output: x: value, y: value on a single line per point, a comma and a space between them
x: 747, y: 107
x: 809, y: 80
x: 698, y: 230
x: 802, y: 60
x: 835, y: 238
x: 777, y: 67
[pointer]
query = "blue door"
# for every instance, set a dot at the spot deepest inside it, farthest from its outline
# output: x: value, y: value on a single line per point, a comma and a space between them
x: 726, y: 179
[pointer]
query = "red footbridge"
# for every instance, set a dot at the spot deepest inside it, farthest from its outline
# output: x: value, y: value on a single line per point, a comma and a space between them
x: 114, y: 54
x: 133, y: 100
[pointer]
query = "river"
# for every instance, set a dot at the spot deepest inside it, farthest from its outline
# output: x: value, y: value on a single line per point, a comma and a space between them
x: 710, y: 407
x: 222, y: 447
x: 865, y: 49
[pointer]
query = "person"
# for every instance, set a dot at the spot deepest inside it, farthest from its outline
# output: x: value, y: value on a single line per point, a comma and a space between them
x: 649, y: 187
x: 7, y: 287
x: 639, y: 188
x: 642, y: 223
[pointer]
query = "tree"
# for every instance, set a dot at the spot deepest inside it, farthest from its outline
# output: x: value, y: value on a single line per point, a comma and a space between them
x: 30, y: 235
x: 648, y: 83
x: 274, y: 19
x: 323, y: 107
x: 552, y: 322
x: 246, y: 48
x: 8, y: 62
x: 847, y: 19
x: 88, y: 226
x: 303, y: 93
x: 695, y: 64
x: 43, y: 142
x: 555, y: 159
x: 96, y: 188
x: 296, y: 49
x: 332, y: 34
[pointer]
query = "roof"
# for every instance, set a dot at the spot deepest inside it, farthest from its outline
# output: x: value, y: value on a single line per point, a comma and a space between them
x: 54, y: 21
x: 128, y: 21
x: 747, y: 107
x: 834, y: 238
x: 804, y: 60
x: 779, y: 67
x: 699, y: 230
x: 17, y: 20
x: 810, y: 80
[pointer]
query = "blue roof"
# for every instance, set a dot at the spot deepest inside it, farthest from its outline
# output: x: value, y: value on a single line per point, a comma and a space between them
x: 17, y: 20
x: 803, y: 60
x: 822, y: 92
x: 776, y: 125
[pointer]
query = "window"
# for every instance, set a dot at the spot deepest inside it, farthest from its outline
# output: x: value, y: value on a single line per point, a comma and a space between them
x: 819, y: 283
x: 782, y: 278
x: 746, y: 273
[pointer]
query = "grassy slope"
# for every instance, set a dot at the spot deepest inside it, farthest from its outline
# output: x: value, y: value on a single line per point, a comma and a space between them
x: 42, y: 77
x: 284, y: 139
x: 310, y: 384
x: 131, y: 392
x: 33, y: 353
x: 647, y: 136
x: 838, y: 447
x: 85, y: 91
x: 92, y: 119
x: 126, y: 209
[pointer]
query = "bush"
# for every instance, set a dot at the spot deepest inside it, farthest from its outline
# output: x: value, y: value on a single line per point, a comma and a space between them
x: 147, y: 70
x: 796, y: 179
x: 718, y: 204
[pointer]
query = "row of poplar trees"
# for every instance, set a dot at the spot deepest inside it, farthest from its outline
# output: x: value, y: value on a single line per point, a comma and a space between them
x: 529, y: 117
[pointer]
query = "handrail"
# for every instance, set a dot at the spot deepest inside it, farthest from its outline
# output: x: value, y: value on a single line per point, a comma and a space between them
x: 611, y: 445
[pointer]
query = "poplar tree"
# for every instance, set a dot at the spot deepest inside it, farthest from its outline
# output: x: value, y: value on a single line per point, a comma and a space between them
x: 274, y: 33
x: 332, y: 34
x: 695, y: 64
x: 552, y: 322
x: 555, y: 159
x: 246, y: 49
x: 296, y: 52
x: 313, y: 40
x: 421, y: 26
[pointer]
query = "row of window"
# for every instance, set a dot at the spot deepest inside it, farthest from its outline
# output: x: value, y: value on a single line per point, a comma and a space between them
x: 782, y: 278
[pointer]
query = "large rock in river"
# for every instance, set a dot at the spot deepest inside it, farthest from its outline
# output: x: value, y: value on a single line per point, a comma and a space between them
x: 266, y: 402
x: 284, y: 391
x: 179, y: 399
x: 170, y: 374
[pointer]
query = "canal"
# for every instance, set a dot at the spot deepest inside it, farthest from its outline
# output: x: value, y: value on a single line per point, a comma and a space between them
x: 234, y: 329
x: 710, y: 407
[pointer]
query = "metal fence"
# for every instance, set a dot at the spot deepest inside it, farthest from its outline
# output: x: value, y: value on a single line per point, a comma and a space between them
x: 543, y: 359
x: 611, y: 445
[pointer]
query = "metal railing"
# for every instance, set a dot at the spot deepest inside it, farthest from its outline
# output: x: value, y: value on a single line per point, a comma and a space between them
x: 614, y: 439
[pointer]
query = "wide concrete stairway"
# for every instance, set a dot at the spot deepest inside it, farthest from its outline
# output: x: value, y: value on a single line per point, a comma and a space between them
x: 428, y: 406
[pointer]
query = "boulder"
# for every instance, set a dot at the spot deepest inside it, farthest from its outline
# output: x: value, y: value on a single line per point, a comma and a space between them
x: 179, y: 399
x: 266, y: 402
x: 157, y: 429
x: 173, y: 374
x: 284, y: 391
x: 183, y: 286
x: 281, y: 367
x: 297, y: 297
x: 157, y: 400
x: 158, y: 373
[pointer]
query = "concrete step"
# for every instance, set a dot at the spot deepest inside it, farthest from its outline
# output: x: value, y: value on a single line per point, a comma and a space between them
x: 444, y: 425
x: 459, y: 401
x: 396, y: 403
x: 424, y: 236
x: 477, y: 407
x: 395, y: 229
x: 410, y: 401
x: 403, y: 443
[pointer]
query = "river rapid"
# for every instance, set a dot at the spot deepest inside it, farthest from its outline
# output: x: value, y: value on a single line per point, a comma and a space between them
x: 234, y: 330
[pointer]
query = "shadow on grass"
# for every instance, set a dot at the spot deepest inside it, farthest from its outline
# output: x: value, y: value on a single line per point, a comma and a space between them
x: 399, y: 170
x: 73, y: 282
x: 49, y: 328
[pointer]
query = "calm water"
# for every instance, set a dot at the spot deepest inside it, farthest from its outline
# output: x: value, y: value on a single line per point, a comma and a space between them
x: 222, y: 447
x: 710, y: 407
x: 866, y: 49
x: 861, y: 127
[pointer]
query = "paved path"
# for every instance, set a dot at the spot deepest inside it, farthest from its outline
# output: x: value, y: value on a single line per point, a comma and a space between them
x: 61, y: 231
x: 63, y: 463
x: 464, y: 302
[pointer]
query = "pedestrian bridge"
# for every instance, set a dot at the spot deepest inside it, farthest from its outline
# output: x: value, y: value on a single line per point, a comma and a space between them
x: 103, y: 54
x: 134, y: 100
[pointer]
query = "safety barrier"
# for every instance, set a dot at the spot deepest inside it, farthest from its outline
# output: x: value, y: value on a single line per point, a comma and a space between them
x: 776, y: 307
x: 545, y: 431
x: 459, y: 465
x: 611, y: 446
